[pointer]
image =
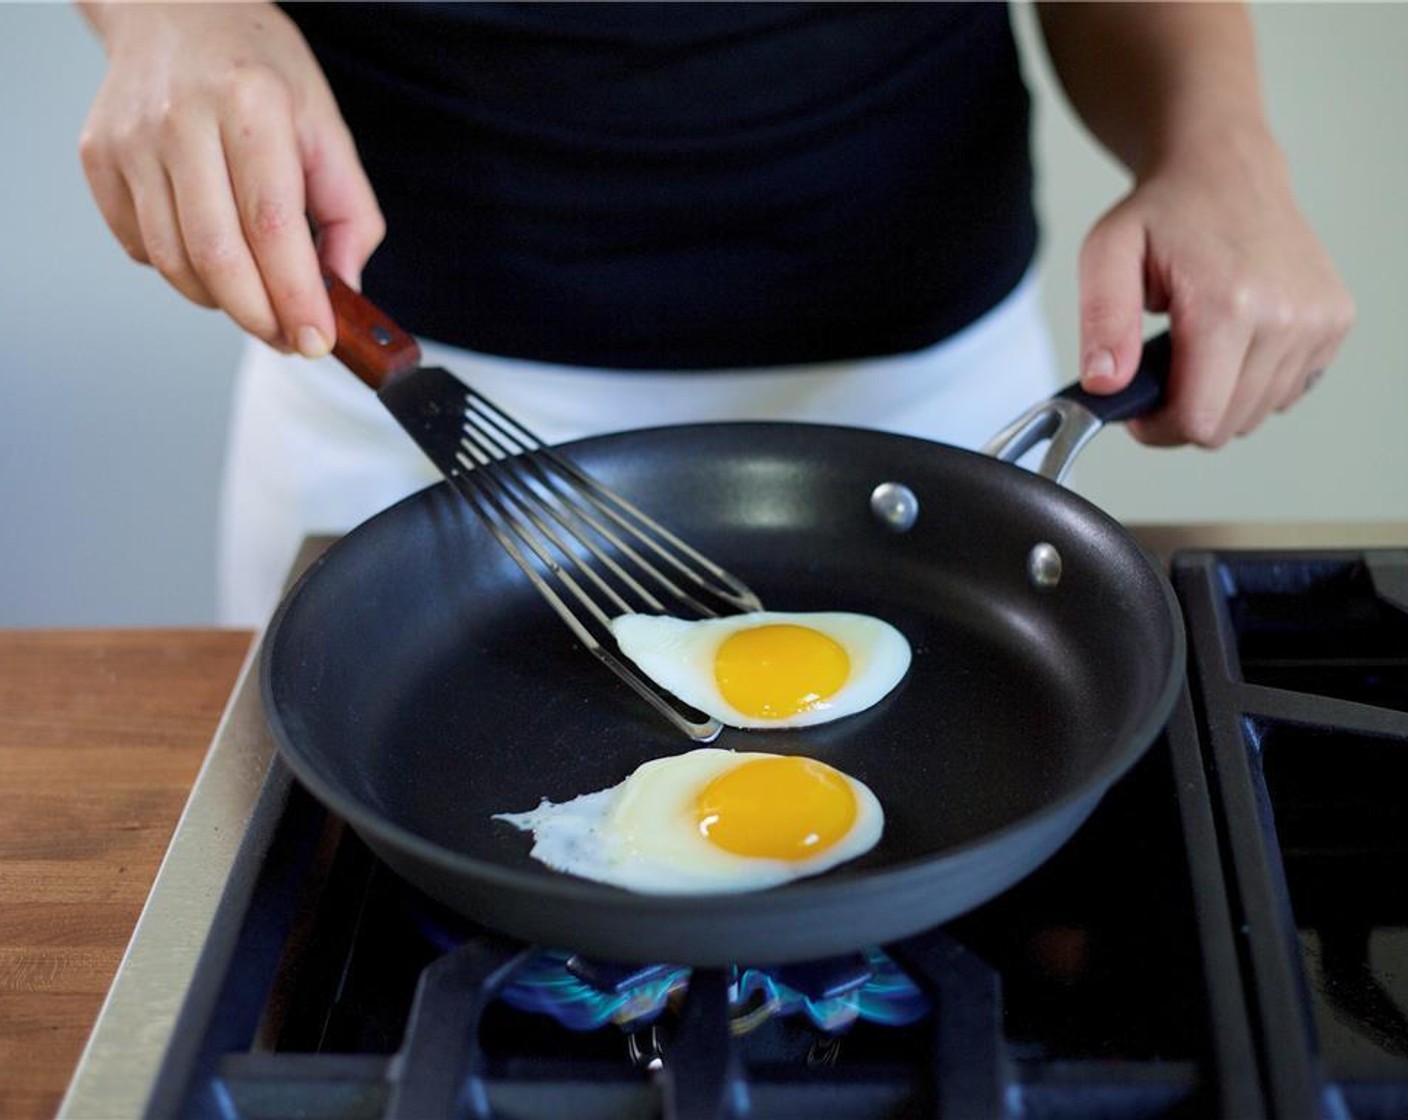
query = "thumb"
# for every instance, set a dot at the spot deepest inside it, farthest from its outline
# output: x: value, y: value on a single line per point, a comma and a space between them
x: 1111, y: 301
x: 344, y: 207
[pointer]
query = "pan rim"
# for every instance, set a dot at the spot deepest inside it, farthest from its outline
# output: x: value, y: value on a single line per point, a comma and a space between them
x: 550, y: 886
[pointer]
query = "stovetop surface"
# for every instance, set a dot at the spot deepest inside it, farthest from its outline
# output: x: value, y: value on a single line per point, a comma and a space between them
x: 1227, y: 935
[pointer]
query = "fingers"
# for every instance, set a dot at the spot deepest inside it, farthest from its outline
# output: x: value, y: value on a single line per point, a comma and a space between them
x: 164, y: 187
x: 210, y: 227
x: 154, y: 200
x: 266, y: 174
x: 1267, y: 364
x: 1203, y: 380
x: 1111, y: 302
x: 114, y: 200
x: 1234, y: 362
x: 136, y: 200
x: 344, y: 208
x: 217, y: 206
x: 1231, y: 372
x: 1256, y: 308
x: 1299, y: 382
x: 212, y: 143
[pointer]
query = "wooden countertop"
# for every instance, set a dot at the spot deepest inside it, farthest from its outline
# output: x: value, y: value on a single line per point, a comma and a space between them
x: 101, y: 735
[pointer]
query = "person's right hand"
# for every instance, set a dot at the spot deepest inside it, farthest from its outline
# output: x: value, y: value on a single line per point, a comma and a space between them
x: 212, y: 143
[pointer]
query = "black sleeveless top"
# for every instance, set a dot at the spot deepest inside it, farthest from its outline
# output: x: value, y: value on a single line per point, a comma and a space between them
x: 686, y: 185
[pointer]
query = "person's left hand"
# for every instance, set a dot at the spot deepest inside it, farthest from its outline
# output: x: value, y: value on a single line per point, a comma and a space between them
x: 1212, y: 235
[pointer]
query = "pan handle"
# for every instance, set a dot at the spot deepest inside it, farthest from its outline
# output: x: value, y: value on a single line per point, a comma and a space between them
x: 1144, y: 393
x: 369, y: 342
x: 1072, y: 417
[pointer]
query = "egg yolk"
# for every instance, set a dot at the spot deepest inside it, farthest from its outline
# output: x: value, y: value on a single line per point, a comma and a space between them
x: 776, y: 671
x: 776, y: 808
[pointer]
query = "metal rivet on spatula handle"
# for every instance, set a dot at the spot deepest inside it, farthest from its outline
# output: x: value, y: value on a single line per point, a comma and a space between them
x: 1044, y: 565
x: 894, y: 506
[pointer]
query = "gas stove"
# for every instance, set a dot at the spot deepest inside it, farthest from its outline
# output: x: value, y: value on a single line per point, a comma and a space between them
x: 1226, y: 936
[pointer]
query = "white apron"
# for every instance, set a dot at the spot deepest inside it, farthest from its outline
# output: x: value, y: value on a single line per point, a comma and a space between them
x: 311, y: 450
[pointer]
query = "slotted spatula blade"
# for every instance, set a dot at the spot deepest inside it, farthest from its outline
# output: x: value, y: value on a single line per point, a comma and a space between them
x: 591, y: 553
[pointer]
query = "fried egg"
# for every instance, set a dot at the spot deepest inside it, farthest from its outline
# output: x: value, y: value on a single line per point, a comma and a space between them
x: 709, y: 821
x: 768, y: 668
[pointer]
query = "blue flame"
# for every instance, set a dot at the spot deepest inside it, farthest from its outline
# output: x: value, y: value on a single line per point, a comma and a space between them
x: 547, y: 986
x: 888, y: 997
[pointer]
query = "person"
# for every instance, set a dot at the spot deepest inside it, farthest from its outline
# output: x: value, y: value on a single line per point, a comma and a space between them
x: 608, y: 216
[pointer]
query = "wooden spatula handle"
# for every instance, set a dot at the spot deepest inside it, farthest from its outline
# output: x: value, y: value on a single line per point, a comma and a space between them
x: 369, y: 342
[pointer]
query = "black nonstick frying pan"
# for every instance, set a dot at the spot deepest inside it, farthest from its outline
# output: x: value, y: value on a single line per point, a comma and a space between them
x: 417, y: 685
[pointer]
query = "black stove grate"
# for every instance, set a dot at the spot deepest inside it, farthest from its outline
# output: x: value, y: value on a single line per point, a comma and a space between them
x: 1301, y: 667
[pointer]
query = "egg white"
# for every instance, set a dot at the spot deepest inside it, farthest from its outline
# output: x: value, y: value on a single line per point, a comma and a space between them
x: 642, y: 834
x: 678, y: 654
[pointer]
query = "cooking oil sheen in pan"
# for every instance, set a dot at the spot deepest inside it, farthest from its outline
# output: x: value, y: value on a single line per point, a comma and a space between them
x: 709, y: 821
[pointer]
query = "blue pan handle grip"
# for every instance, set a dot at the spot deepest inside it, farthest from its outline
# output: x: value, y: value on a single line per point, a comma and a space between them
x: 1143, y: 395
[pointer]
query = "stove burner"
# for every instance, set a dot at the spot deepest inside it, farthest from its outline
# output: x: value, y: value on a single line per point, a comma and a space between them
x: 583, y: 995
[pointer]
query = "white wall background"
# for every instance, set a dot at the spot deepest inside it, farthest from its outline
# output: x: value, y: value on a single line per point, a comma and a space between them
x: 115, y: 390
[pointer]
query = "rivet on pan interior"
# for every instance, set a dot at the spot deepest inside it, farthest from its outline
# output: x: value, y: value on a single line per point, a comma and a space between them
x: 894, y: 506
x: 1044, y: 565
